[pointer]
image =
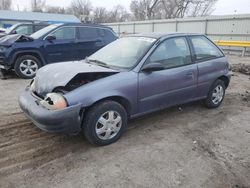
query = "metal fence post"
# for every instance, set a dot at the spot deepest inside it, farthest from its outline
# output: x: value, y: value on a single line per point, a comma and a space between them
x: 119, y: 31
x: 206, y: 26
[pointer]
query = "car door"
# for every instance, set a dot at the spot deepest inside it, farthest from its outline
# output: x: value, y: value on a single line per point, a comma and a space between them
x: 209, y: 60
x: 63, y: 47
x: 175, y: 84
x: 89, y: 41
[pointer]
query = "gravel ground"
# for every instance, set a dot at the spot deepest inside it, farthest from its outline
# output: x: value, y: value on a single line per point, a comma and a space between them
x: 184, y: 146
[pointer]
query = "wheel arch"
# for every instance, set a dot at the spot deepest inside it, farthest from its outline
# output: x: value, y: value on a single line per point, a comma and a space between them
x: 119, y: 99
x: 225, y: 79
x: 34, y: 53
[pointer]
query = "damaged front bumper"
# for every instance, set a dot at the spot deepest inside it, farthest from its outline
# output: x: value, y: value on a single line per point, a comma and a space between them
x: 66, y: 121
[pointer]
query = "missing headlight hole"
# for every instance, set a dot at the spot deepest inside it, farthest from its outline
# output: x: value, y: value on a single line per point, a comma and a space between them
x: 50, y: 102
x: 82, y: 79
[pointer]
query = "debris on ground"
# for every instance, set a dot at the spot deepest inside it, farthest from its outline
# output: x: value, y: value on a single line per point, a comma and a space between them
x: 246, y: 96
x: 242, y: 68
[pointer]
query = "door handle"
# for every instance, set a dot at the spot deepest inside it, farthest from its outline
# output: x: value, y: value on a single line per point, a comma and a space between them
x: 190, y: 75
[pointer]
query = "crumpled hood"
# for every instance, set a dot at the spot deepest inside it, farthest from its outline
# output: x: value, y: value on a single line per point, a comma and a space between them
x: 2, y: 34
x: 8, y: 40
x: 56, y: 75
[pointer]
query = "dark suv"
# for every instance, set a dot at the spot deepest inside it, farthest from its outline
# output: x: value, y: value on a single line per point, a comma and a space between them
x: 24, y: 29
x: 55, y: 43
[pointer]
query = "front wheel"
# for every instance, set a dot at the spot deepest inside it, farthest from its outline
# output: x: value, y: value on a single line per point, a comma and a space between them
x: 104, y: 123
x: 216, y: 94
x: 26, y: 66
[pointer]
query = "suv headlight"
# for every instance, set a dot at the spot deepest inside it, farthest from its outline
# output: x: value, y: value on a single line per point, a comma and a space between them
x: 54, y: 101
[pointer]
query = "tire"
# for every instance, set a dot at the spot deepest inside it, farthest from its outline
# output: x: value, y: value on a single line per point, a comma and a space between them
x: 26, y: 66
x: 109, y: 125
x: 216, y: 90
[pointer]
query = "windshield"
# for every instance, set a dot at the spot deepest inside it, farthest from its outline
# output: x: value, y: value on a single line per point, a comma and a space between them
x: 43, y: 31
x: 123, y: 53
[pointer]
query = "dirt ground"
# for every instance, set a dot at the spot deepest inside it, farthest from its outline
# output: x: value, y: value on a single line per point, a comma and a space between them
x: 185, y: 146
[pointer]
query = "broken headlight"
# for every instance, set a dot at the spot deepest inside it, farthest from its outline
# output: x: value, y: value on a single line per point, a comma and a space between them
x: 32, y: 85
x: 54, y: 101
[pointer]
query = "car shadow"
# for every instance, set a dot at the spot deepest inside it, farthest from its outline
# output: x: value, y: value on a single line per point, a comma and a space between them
x: 4, y: 75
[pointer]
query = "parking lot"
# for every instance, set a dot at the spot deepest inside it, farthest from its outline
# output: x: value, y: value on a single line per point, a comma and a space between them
x: 184, y: 146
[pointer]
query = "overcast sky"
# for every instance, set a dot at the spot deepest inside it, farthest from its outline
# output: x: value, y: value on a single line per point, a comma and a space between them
x: 222, y: 7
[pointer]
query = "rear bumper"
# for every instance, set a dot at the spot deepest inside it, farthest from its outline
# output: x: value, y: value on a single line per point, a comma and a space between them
x: 66, y: 121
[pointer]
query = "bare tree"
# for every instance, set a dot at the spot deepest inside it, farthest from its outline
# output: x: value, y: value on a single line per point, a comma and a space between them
x: 37, y: 5
x: 100, y: 15
x: 52, y: 9
x: 148, y: 9
x: 80, y: 8
x: 143, y: 9
x: 118, y: 14
x: 201, y: 7
x: 5, y: 4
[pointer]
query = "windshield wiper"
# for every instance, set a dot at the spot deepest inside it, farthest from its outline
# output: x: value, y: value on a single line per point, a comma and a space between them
x: 95, y: 61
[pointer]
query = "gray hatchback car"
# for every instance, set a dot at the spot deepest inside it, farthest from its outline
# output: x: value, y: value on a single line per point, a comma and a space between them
x: 130, y: 77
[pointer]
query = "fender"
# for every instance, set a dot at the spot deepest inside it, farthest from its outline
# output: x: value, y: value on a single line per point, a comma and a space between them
x: 43, y: 61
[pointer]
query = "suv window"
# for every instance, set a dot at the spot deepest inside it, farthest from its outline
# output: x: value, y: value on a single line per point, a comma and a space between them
x: 109, y: 33
x: 172, y: 53
x: 88, y: 33
x: 24, y: 29
x: 204, y: 48
x: 65, y: 33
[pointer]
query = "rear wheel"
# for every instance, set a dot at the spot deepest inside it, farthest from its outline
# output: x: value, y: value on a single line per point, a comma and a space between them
x: 26, y: 66
x: 104, y: 123
x: 216, y: 94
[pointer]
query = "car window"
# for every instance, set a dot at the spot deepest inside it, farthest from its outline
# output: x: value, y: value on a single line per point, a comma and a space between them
x: 101, y: 32
x: 205, y: 49
x: 172, y: 53
x: 65, y: 33
x: 124, y: 53
x: 24, y: 30
x: 88, y: 33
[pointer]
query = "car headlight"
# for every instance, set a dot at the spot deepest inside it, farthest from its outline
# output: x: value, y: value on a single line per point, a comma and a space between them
x: 32, y: 85
x: 54, y: 101
x: 2, y: 49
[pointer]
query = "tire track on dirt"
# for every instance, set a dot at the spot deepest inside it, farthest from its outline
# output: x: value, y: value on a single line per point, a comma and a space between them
x: 23, y: 145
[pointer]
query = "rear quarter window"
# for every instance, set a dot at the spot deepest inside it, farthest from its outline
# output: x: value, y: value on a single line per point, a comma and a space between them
x: 204, y: 49
x: 88, y: 33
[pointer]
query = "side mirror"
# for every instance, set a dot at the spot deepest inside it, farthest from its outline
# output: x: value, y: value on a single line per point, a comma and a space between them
x: 50, y: 38
x: 152, y: 67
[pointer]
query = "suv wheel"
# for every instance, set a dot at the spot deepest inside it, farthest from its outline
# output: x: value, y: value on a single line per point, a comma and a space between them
x: 216, y: 94
x: 26, y: 66
x: 104, y: 123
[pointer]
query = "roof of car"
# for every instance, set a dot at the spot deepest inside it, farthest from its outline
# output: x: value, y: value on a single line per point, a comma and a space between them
x: 158, y: 35
x: 86, y: 24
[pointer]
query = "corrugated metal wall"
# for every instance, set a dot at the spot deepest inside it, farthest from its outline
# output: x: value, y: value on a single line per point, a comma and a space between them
x: 231, y: 27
